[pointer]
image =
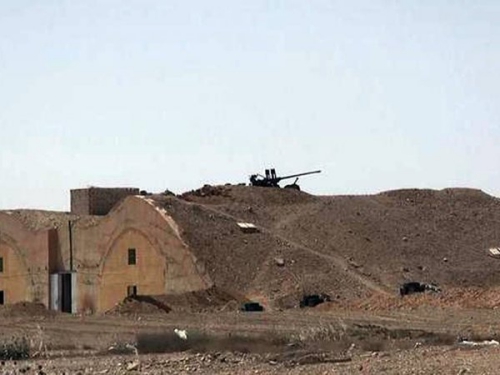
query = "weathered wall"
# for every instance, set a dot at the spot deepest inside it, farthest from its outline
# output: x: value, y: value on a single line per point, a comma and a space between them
x: 164, y: 263
x: 98, y: 201
x: 148, y: 274
x: 13, y: 280
x: 25, y: 254
x: 80, y: 201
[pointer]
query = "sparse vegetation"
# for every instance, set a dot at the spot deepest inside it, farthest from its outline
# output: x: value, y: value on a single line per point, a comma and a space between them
x: 14, y: 348
x: 168, y: 342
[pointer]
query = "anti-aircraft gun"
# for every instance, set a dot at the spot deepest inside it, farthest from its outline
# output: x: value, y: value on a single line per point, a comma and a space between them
x: 272, y: 180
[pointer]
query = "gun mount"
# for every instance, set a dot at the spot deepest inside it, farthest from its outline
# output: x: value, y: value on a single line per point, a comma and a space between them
x: 272, y: 180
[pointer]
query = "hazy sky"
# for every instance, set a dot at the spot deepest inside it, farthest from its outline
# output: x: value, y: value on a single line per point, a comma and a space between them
x: 163, y: 94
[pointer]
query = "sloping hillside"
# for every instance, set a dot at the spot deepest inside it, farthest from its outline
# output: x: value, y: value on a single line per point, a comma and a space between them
x: 246, y: 263
x: 423, y: 235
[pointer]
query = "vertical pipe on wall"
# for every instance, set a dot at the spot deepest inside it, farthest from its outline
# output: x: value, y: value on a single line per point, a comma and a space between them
x: 70, y: 228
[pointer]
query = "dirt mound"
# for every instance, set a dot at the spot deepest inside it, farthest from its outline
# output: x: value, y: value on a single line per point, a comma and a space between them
x: 206, y: 192
x: 437, y: 236
x: 246, y: 262
x: 344, y: 246
x: 138, y: 305
x: 25, y: 309
x: 208, y: 300
x: 249, y: 196
x: 212, y: 299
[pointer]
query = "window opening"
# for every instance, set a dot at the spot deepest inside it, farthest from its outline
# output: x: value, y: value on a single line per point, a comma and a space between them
x: 132, y: 257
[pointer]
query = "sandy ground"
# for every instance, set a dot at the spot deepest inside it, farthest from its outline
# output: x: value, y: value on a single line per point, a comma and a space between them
x: 316, y: 341
x: 436, y: 360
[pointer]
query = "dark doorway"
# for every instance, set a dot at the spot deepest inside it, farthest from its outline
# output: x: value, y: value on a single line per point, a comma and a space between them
x: 132, y: 291
x: 66, y: 297
x: 1, y: 297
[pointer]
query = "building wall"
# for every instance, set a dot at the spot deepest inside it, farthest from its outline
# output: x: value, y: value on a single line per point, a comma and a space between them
x: 147, y: 274
x: 13, y: 280
x: 164, y: 264
x: 80, y: 201
x: 98, y: 201
x: 25, y: 258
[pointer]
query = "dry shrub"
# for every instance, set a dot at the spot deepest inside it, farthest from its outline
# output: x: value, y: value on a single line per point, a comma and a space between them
x: 369, y: 337
x: 323, y: 333
x: 15, y: 348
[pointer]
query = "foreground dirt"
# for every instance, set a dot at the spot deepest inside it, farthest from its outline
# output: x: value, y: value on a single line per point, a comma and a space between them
x: 437, y: 360
x: 424, y: 340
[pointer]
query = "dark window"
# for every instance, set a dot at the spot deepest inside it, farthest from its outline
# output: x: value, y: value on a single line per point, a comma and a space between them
x: 1, y: 297
x: 1, y: 264
x: 131, y: 290
x: 131, y: 257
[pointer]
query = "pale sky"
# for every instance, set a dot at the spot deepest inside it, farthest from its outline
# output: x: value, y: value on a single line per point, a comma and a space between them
x: 160, y: 94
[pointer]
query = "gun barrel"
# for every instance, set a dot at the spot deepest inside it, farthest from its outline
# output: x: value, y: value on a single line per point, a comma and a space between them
x: 298, y: 175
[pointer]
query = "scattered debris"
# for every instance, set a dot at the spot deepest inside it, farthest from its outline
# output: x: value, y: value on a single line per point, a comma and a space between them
x: 123, y: 348
x: 312, y: 300
x: 181, y: 333
x: 479, y: 343
x: 252, y: 306
x: 132, y: 366
x: 494, y: 252
x: 314, y: 358
x: 416, y: 287
x: 207, y: 191
x: 354, y: 264
x: 248, y: 227
x: 280, y: 262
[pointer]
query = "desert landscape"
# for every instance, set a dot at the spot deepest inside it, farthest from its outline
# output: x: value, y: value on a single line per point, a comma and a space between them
x: 354, y: 251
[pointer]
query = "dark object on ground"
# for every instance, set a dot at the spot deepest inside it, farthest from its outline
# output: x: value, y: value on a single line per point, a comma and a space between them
x: 410, y: 288
x: 272, y: 180
x: 416, y: 287
x: 168, y: 193
x: 252, y: 306
x: 312, y: 300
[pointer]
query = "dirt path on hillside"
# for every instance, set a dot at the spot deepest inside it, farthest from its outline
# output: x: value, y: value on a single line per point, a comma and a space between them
x: 342, y: 263
x: 337, y: 260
